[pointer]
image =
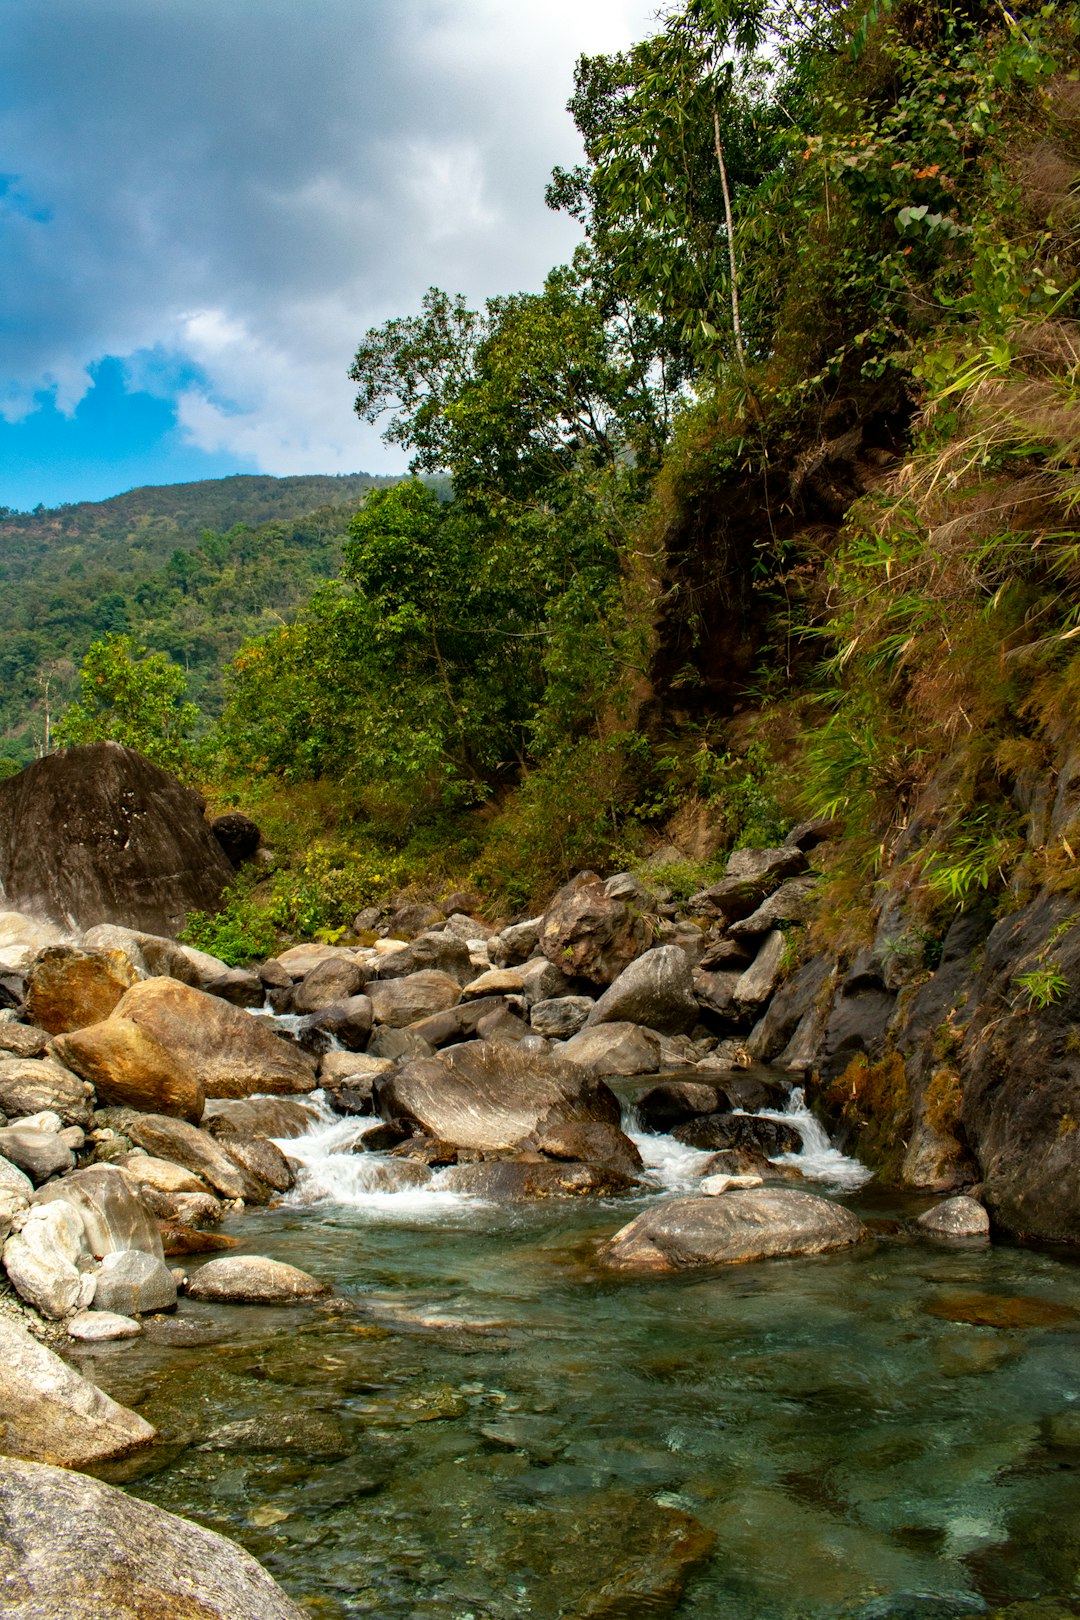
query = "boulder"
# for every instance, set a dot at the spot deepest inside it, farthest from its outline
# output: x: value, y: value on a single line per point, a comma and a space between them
x: 113, y: 1214
x: 959, y: 1217
x: 28, y: 1085
x: 516, y: 944
x: 715, y: 990
x: 674, y: 1102
x: 560, y: 1017
x: 239, y: 986
x: 348, y: 1021
x: 131, y: 1283
x: 460, y: 1023
x: 68, y: 988
x: 234, y: 1053
x: 22, y: 1040
x: 198, y: 1210
x: 299, y: 960
x: 251, y: 1279
x: 127, y: 842
x: 595, y: 1142
x: 760, y: 980
x: 792, y: 902
x: 590, y: 934
x: 402, y: 1001
x: 656, y: 990
x: 15, y: 1182
x: 129, y: 1067
x: 726, y: 955
x: 73, y: 1546
x: 41, y: 1261
x: 746, y: 1224
x: 38, y: 1154
x: 194, y: 1149
x: 614, y: 1049
x: 713, y: 1133
x: 495, y: 982
x: 430, y: 953
x: 715, y: 1186
x: 809, y: 834
x: 49, y: 1414
x: 501, y: 1181
x: 413, y: 918
x: 238, y: 836
x: 160, y: 1175
x: 337, y: 1067
x: 751, y: 875
x: 502, y: 1026
x: 399, y: 1044
x: 100, y: 1327
x: 541, y: 980
x: 263, y: 1116
x: 152, y: 954
x: 263, y: 1160
x: 336, y: 978
x: 491, y: 1097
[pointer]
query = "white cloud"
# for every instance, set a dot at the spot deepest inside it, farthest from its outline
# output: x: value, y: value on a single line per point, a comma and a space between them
x: 248, y: 187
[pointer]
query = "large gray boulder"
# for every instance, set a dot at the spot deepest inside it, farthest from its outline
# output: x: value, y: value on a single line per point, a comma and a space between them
x: 114, y: 1216
x: 252, y: 1279
x: 234, y: 1052
x: 561, y: 1016
x: 72, y: 1546
x: 430, y: 953
x: 127, y: 842
x: 591, y: 934
x: 516, y: 944
x: 656, y: 990
x: 333, y: 979
x: 487, y: 1096
x: 745, y: 1224
x: 41, y: 1260
x: 614, y: 1049
x: 398, y: 1002
x: 132, y: 1283
x: 49, y: 1414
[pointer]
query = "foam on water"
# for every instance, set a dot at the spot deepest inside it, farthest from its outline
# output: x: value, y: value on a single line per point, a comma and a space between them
x: 817, y: 1159
x: 670, y: 1166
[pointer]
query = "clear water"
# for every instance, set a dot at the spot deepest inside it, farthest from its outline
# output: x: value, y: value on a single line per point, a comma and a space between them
x: 484, y: 1425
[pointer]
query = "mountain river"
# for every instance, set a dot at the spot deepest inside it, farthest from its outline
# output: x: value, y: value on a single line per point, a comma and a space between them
x: 480, y: 1424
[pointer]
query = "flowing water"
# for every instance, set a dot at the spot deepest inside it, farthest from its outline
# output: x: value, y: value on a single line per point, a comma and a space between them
x: 481, y: 1424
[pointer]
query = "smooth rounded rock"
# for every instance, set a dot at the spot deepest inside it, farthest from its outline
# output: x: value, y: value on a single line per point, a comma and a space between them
x: 748, y: 1224
x: 48, y: 1413
x: 115, y: 1218
x: 252, y: 1279
x: 131, y: 1283
x: 959, y: 1217
x: 129, y: 1067
x: 614, y: 1049
x: 41, y: 1259
x: 38, y: 1154
x: 99, y: 1327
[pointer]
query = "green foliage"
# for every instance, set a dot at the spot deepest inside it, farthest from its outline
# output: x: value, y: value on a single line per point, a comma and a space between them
x: 1043, y: 986
x: 130, y: 696
x: 239, y: 933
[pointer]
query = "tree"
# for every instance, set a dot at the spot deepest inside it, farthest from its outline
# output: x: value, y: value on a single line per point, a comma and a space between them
x: 132, y: 696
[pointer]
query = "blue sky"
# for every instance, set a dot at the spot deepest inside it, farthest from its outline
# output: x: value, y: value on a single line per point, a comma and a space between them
x: 205, y: 203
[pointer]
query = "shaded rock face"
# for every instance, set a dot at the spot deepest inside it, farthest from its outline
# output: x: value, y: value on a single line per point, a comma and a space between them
x: 68, y: 988
x: 596, y: 1143
x: 238, y: 836
x: 715, y: 1132
x: 126, y: 1066
x: 49, y: 1414
x: 491, y: 1097
x: 656, y: 990
x: 234, y: 1053
x: 507, y: 1181
x: 745, y: 1224
x: 127, y: 842
x: 673, y: 1102
x: 259, y: 1116
x: 71, y: 1545
x: 614, y: 1049
x: 589, y: 934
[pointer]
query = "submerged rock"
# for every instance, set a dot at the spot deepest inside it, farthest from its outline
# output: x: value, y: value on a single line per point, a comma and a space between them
x: 252, y: 1279
x: 48, y: 1413
x: 750, y: 1224
x: 71, y: 1545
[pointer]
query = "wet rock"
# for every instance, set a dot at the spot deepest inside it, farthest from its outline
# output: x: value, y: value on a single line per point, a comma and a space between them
x: 674, y: 1102
x: 655, y: 990
x: 426, y: 1150
x: 99, y: 1327
x: 189, y: 1209
x: 68, y: 988
x: 491, y: 1097
x: 334, y: 979
x: 262, y: 1159
x: 239, y: 986
x: 22, y: 1040
x: 750, y: 1224
x: 654, y: 1576
x: 1000, y: 1310
x: 178, y: 1239
x: 516, y: 944
x: 959, y: 1217
x: 38, y: 1154
x: 194, y: 1149
x: 41, y: 1260
x: 50, y: 1414
x: 430, y: 953
x: 128, y: 843
x: 260, y: 1116
x: 114, y: 1216
x: 29, y: 1085
x: 348, y: 1021
x: 75, y: 1546
x: 309, y: 1434
x: 402, y: 1001
x: 588, y: 934
x: 130, y: 1283
x: 792, y: 902
x: 614, y: 1049
x: 739, y: 1162
x: 234, y: 1053
x: 238, y: 836
x: 561, y: 1017
x: 506, y: 1180
x: 251, y: 1279
x: 713, y: 1133
x: 596, y: 1143
x: 129, y: 1067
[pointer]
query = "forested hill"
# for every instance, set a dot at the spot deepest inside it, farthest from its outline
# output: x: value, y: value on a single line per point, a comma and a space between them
x: 189, y: 569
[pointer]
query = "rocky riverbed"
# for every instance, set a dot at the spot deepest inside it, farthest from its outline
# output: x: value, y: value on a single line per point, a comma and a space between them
x: 433, y: 1073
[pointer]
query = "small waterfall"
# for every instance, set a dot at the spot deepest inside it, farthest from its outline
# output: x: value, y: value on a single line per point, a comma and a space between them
x: 817, y: 1159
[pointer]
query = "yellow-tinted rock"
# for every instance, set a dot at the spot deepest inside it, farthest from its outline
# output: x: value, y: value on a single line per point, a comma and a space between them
x: 128, y: 1067
x: 69, y: 989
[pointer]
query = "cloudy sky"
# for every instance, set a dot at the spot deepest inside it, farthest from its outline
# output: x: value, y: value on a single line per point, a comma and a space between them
x: 205, y: 203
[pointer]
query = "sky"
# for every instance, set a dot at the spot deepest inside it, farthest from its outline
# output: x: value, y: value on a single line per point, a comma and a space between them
x: 204, y: 204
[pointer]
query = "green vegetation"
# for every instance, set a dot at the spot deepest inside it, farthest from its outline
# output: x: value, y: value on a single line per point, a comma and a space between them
x: 130, y: 696
x: 766, y: 504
